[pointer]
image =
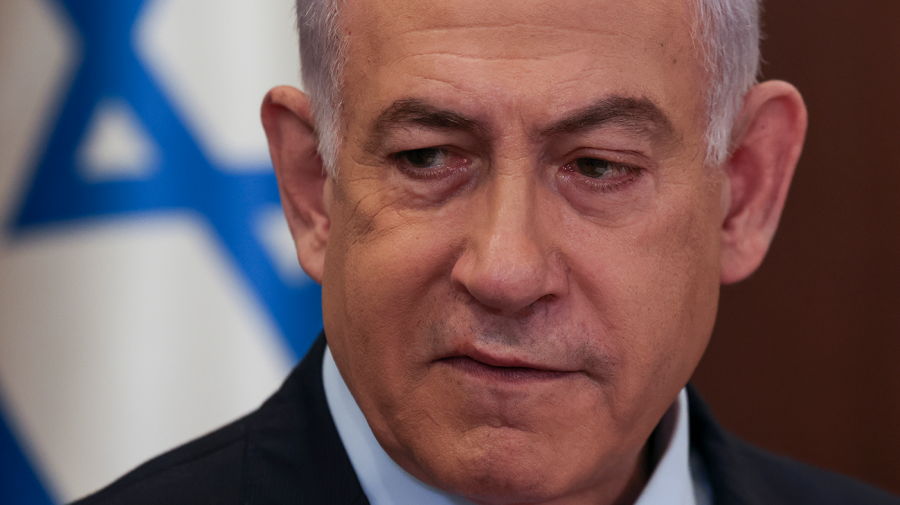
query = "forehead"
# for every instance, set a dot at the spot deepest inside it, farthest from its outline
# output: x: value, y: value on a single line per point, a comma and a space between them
x: 528, y: 56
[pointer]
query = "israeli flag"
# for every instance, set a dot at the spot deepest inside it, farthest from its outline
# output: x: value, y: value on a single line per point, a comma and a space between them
x: 149, y: 289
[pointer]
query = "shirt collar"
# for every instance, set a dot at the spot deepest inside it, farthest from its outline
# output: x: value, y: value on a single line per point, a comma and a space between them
x: 386, y: 483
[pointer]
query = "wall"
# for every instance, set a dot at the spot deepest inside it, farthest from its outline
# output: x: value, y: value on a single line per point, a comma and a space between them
x: 805, y: 358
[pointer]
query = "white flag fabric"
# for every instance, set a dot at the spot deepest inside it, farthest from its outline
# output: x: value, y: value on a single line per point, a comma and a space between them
x: 149, y: 291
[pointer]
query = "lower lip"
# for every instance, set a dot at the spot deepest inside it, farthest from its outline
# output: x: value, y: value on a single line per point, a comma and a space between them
x: 470, y: 366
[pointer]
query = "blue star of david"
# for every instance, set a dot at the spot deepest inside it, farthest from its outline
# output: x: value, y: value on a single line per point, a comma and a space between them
x: 184, y: 180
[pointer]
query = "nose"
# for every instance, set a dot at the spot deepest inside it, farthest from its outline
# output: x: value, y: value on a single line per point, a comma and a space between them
x: 510, y: 263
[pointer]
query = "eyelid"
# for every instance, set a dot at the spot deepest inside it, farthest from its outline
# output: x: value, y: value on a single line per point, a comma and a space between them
x: 609, y: 143
x: 633, y: 173
x: 415, y: 137
x: 441, y: 171
x: 611, y: 154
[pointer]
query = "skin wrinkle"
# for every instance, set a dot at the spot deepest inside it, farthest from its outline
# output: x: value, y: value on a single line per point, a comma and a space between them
x: 536, y: 27
x: 463, y: 57
x: 456, y: 56
x: 456, y: 86
x: 465, y: 90
x: 367, y: 228
x: 562, y: 31
x: 365, y: 224
x: 542, y: 29
x: 574, y: 80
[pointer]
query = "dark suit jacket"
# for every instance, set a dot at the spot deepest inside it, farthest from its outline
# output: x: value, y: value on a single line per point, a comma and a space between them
x: 289, y: 452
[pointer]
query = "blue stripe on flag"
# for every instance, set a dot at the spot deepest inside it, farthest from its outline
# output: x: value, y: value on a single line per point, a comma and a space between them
x: 18, y: 483
x: 185, y: 181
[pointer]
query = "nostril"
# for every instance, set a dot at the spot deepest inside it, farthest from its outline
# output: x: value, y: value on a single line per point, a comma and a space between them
x: 541, y: 301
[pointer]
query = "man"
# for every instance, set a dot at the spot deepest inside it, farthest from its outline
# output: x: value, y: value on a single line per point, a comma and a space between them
x: 520, y: 212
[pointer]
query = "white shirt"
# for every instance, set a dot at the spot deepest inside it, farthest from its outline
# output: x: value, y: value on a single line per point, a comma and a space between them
x: 385, y: 483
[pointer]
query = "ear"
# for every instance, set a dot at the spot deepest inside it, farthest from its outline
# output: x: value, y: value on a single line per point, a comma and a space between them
x: 302, y: 182
x: 767, y: 141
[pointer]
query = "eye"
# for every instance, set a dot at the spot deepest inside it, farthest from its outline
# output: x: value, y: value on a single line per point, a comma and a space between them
x: 596, y: 168
x: 430, y: 162
x: 600, y: 174
x: 423, y: 158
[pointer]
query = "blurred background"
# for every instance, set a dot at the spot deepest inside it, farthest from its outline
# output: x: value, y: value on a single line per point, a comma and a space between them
x: 805, y: 357
x: 149, y: 291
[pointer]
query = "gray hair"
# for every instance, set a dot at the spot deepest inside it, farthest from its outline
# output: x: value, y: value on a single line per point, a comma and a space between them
x: 728, y: 34
x: 726, y: 31
x: 322, y: 58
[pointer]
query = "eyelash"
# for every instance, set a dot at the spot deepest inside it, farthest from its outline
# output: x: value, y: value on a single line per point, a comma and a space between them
x: 401, y: 160
x: 632, y: 174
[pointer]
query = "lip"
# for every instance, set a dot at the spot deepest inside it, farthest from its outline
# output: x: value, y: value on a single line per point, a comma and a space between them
x: 501, y: 368
x: 477, y: 368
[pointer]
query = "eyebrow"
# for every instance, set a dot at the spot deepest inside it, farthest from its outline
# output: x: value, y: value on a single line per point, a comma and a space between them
x: 412, y: 112
x: 639, y: 115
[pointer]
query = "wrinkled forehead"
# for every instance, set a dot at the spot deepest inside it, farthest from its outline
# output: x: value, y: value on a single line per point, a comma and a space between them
x: 506, y: 51
x: 523, y: 20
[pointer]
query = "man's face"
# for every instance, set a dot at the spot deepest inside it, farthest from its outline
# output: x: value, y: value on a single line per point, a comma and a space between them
x: 522, y: 267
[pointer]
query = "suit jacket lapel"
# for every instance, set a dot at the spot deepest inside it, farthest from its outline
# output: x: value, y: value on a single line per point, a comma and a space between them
x: 294, y: 453
x: 732, y: 476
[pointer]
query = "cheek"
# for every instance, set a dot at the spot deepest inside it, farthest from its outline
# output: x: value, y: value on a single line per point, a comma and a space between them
x: 653, y: 283
x: 384, y: 273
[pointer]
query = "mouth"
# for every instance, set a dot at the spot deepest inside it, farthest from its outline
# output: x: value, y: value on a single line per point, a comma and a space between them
x: 487, y: 367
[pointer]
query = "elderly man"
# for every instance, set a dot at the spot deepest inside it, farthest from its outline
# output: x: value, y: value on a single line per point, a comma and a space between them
x: 520, y: 212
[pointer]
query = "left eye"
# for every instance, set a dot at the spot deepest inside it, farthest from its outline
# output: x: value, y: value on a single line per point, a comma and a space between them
x: 596, y: 168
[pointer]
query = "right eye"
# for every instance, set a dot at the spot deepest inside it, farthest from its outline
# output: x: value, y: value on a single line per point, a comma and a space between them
x: 422, y: 159
x: 430, y: 162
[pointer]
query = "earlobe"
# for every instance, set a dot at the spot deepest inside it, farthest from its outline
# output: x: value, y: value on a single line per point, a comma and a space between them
x: 289, y: 127
x: 768, y: 139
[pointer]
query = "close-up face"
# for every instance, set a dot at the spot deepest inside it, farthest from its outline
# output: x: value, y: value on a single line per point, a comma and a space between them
x: 522, y: 266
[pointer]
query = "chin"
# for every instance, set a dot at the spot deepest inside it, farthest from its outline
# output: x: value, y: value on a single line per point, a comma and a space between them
x: 503, y: 466
x: 504, y: 485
